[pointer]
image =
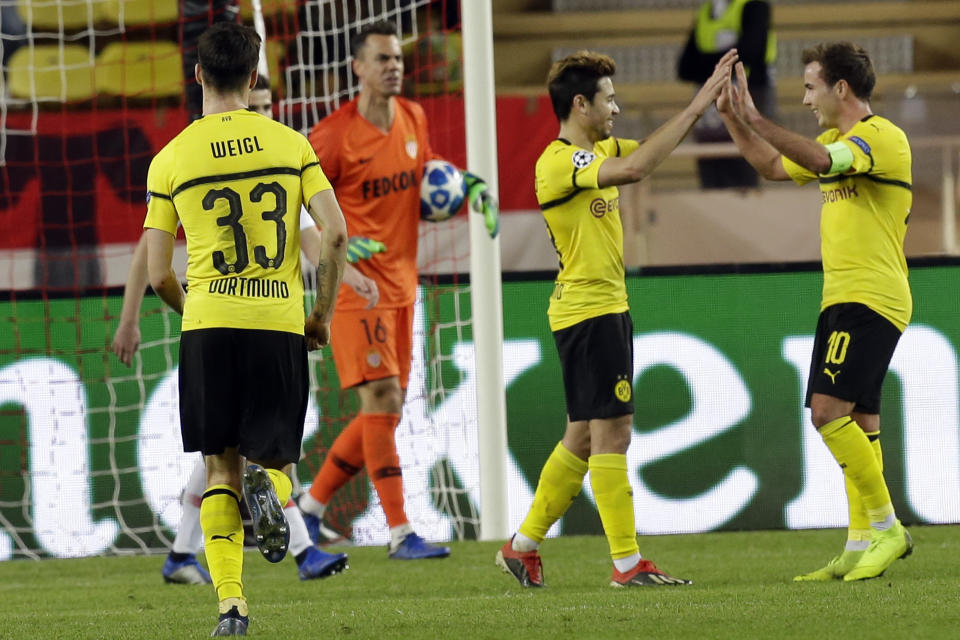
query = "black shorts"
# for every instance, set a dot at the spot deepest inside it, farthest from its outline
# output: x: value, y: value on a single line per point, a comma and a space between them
x: 596, y: 357
x: 243, y: 388
x: 851, y: 354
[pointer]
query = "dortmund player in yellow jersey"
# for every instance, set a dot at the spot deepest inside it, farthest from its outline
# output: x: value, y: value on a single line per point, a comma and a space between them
x: 862, y: 162
x: 577, y: 177
x: 235, y: 181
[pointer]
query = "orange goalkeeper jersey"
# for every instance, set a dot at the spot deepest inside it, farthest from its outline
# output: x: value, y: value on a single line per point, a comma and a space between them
x: 376, y: 177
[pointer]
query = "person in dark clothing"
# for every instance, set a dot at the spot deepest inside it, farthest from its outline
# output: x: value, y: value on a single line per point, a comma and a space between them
x: 722, y: 25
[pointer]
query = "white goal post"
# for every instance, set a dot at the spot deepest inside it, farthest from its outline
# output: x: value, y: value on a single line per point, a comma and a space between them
x: 485, y: 293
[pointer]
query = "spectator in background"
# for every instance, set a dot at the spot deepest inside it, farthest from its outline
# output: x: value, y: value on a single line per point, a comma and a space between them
x: 722, y: 25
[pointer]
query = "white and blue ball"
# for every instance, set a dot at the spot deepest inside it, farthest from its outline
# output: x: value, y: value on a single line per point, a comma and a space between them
x: 442, y: 191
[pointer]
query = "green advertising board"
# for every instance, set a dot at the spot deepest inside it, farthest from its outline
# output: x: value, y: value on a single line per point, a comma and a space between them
x: 89, y: 449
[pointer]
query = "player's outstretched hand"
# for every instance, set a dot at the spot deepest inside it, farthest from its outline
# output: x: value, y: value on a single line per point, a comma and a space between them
x: 126, y: 341
x: 361, y: 248
x: 316, y: 332
x: 482, y: 201
x: 365, y: 287
x: 740, y: 97
x: 711, y: 89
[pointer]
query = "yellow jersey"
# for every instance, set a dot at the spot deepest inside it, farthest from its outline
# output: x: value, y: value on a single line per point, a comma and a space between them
x: 583, y: 221
x: 864, y: 219
x: 235, y: 181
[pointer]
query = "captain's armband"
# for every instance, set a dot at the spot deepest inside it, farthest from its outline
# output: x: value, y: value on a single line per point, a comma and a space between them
x: 841, y: 158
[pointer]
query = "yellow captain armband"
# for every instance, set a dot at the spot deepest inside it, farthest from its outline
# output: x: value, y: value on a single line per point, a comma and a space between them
x: 841, y: 158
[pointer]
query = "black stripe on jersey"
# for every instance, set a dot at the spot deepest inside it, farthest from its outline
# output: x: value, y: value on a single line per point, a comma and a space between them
x: 312, y: 164
x: 889, y: 181
x: 154, y: 194
x: 559, y: 201
x: 618, y: 146
x: 239, y: 175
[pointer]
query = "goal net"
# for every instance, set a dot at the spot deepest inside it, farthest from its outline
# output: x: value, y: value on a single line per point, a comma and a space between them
x: 90, y: 90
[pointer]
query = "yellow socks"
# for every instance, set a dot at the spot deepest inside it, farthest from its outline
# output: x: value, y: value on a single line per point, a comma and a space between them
x: 614, y: 496
x: 560, y: 481
x: 223, y: 539
x: 855, y: 455
x: 859, y: 528
x: 281, y: 486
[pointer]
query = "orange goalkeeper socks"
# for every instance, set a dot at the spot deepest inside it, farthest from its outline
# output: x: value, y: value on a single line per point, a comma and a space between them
x: 383, y: 464
x: 343, y: 461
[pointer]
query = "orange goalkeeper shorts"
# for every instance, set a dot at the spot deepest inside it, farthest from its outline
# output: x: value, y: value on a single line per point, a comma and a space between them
x: 372, y: 344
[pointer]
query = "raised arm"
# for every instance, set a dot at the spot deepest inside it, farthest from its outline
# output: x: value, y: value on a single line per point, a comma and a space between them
x: 126, y: 339
x: 806, y: 152
x: 160, y: 268
x: 761, y: 155
x: 326, y: 213
x: 654, y: 150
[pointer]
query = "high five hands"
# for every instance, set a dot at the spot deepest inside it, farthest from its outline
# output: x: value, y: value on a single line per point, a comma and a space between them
x: 735, y: 99
x: 714, y: 85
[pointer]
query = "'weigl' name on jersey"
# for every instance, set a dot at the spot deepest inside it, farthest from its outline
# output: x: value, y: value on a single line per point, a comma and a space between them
x: 236, y: 182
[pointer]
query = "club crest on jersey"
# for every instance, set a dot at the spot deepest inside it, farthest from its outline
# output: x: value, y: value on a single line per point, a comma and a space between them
x: 583, y: 159
x: 623, y: 390
x: 412, y: 148
x: 374, y: 359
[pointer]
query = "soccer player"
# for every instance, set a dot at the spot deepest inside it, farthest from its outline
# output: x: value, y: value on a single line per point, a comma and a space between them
x: 181, y: 565
x: 235, y: 181
x: 862, y: 162
x: 374, y: 149
x: 577, y: 176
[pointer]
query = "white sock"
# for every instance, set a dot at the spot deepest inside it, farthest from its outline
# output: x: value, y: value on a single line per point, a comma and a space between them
x: 885, y: 524
x: 299, y: 538
x: 856, y: 545
x: 311, y: 505
x: 397, y: 534
x: 189, y: 538
x: 625, y: 564
x: 523, y: 544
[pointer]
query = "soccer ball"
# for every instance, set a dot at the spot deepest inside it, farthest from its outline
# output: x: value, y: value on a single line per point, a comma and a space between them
x: 442, y: 191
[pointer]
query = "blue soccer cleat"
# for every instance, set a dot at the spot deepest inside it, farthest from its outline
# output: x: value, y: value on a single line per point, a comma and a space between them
x: 186, y: 571
x: 322, y: 535
x: 269, y: 524
x: 320, y: 564
x: 413, y: 547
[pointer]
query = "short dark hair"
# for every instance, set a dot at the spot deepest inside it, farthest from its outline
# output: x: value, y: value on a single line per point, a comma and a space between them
x: 844, y: 61
x: 263, y: 82
x: 577, y: 74
x: 228, y: 53
x: 380, y: 28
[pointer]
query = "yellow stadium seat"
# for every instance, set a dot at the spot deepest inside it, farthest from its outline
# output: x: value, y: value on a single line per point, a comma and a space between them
x: 140, y: 69
x: 51, y: 72
x: 57, y: 15
x: 139, y: 11
x: 268, y: 7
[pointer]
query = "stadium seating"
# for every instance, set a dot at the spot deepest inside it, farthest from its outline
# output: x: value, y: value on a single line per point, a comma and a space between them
x: 50, y: 15
x: 52, y: 72
x: 133, y: 12
x: 140, y: 69
x: 268, y: 7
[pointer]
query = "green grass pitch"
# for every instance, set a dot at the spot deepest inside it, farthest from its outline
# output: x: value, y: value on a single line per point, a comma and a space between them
x: 742, y: 589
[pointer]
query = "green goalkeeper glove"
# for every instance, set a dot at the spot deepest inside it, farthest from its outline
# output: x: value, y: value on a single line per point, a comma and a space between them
x: 482, y: 201
x: 360, y: 248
